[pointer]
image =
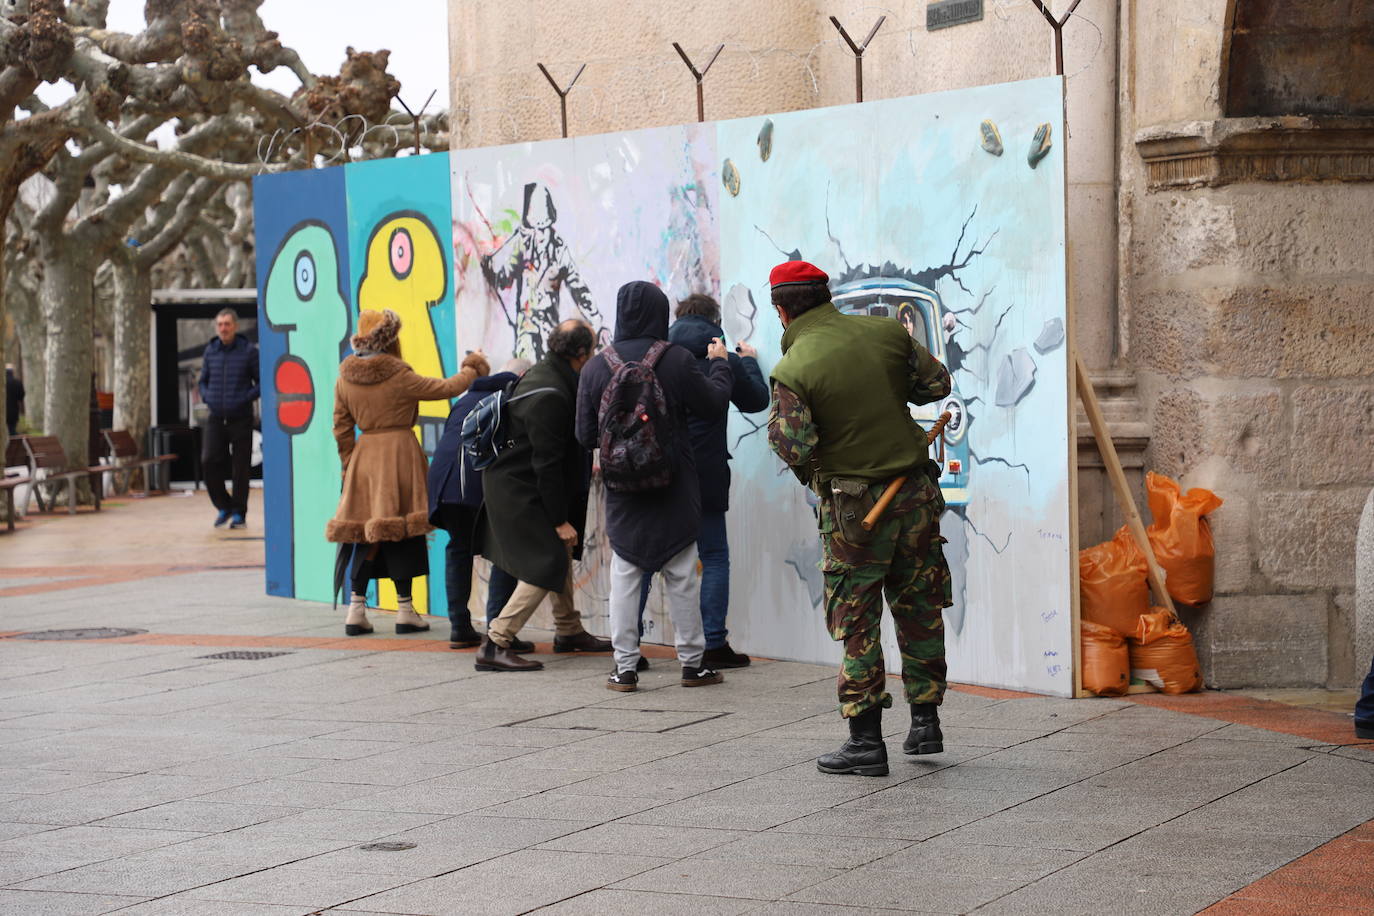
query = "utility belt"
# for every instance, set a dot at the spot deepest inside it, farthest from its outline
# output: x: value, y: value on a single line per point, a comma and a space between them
x: 851, y: 499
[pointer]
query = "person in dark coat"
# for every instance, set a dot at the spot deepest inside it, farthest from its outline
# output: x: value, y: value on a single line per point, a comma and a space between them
x: 455, y: 495
x: 698, y: 323
x: 656, y: 530
x: 14, y: 399
x: 228, y: 387
x: 534, y: 514
x: 1364, y: 707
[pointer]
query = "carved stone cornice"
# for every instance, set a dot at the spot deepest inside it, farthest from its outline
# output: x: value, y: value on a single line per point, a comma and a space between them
x: 1197, y: 154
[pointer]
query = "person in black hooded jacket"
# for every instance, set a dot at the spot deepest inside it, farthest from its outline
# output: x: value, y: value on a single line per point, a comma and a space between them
x: 698, y: 323
x: 656, y: 530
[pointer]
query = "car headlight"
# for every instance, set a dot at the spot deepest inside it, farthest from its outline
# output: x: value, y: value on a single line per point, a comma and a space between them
x: 958, y: 419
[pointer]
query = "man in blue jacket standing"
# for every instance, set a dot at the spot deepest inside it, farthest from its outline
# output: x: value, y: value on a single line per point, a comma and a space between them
x: 455, y: 495
x: 228, y: 387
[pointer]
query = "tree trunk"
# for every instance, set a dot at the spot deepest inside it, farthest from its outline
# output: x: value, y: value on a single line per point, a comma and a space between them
x: 66, y: 297
x: 132, y: 362
x: 28, y: 321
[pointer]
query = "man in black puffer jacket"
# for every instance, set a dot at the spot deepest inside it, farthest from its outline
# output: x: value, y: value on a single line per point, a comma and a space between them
x: 228, y: 387
x: 698, y: 323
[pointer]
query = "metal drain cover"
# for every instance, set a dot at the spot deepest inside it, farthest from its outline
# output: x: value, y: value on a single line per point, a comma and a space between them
x: 80, y: 633
x: 386, y: 847
x: 242, y: 655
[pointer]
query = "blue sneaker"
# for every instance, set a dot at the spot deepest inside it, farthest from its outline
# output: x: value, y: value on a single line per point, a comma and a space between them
x: 222, y: 519
x: 237, y: 521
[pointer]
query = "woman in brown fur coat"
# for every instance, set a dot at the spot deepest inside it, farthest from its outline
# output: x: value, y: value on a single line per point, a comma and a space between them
x: 384, y: 509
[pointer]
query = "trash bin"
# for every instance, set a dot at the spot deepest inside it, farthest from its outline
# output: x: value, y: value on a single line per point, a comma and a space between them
x: 182, y: 441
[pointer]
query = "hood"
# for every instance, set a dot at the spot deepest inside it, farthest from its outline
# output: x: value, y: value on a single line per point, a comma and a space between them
x: 641, y: 310
x: 694, y: 333
x: 494, y: 382
x: 370, y: 370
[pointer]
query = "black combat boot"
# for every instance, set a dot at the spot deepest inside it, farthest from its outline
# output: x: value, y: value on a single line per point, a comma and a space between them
x: 924, y: 737
x: 864, y: 753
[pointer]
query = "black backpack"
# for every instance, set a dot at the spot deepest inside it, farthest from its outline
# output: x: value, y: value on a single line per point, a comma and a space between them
x: 635, y: 430
x: 484, y: 434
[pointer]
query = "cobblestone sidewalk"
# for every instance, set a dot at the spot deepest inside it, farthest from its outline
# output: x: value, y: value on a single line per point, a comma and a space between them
x: 144, y: 775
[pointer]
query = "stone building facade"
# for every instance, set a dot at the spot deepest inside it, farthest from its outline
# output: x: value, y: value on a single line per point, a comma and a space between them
x: 1221, y: 227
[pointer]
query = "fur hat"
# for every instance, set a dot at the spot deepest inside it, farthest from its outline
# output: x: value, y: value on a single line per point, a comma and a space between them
x: 377, y: 331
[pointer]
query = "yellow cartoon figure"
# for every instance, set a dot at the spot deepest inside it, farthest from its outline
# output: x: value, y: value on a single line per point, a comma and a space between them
x: 406, y: 271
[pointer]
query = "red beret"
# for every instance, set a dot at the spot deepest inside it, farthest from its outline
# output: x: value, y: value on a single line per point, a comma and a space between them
x: 790, y: 272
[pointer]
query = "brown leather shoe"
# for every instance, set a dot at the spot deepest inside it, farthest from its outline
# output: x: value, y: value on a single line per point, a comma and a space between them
x: 581, y: 642
x: 493, y: 657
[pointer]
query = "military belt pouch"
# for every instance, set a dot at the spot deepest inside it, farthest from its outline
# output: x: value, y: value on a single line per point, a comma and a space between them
x: 850, y: 502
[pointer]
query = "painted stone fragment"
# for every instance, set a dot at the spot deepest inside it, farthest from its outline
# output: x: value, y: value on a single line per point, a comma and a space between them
x: 992, y: 140
x: 729, y: 176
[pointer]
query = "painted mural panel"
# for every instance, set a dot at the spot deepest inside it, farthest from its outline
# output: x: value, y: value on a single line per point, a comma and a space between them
x: 302, y: 251
x: 547, y: 231
x: 400, y: 252
x: 916, y: 213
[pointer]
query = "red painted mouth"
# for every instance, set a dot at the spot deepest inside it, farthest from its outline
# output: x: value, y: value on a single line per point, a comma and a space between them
x: 295, y: 394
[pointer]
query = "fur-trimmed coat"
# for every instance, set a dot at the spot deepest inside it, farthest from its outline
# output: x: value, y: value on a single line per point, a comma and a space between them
x: 384, y: 496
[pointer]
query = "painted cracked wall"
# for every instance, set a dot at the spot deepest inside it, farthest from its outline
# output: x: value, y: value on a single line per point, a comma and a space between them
x: 909, y: 208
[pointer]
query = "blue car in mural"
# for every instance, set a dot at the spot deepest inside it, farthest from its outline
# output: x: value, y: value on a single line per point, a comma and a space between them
x: 919, y: 309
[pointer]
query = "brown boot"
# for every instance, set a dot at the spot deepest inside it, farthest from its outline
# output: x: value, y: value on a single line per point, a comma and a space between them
x: 581, y: 642
x: 492, y: 656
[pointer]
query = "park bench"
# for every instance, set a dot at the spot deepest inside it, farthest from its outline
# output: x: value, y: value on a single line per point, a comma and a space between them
x: 48, y: 466
x: 9, y: 482
x: 122, y: 451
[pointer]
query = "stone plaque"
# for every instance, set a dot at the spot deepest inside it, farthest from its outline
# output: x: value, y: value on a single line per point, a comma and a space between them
x: 945, y: 13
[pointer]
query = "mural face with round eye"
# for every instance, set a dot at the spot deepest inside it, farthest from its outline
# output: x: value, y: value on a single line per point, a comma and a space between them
x: 402, y: 253
x: 304, y: 273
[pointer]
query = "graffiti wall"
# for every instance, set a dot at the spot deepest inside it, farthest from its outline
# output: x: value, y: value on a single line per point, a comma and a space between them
x: 944, y: 212
x: 305, y: 312
x: 368, y: 235
x: 548, y: 231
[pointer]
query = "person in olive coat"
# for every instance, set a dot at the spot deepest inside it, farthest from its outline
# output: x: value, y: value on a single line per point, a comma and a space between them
x: 533, y: 520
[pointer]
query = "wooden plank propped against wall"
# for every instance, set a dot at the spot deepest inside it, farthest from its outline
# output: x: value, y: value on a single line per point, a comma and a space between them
x: 1125, y: 499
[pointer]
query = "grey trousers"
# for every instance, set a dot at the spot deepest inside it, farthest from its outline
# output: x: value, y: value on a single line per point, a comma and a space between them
x: 683, y: 585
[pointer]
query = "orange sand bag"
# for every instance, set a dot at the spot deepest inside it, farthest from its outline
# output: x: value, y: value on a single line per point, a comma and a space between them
x: 1106, y: 662
x: 1162, y: 653
x: 1181, y: 537
x: 1112, y: 582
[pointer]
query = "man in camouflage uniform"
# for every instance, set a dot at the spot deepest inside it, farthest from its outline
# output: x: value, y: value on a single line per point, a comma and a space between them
x: 840, y: 420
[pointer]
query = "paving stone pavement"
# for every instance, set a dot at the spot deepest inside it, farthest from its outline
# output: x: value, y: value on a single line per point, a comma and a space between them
x: 138, y: 776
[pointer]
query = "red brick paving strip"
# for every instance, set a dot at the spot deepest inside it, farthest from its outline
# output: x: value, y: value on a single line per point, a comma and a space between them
x: 1331, y: 880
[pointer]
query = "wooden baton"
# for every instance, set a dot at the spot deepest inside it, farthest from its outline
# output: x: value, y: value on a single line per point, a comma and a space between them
x: 875, y: 514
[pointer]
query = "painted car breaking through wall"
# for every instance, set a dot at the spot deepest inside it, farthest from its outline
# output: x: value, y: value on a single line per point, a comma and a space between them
x: 903, y: 202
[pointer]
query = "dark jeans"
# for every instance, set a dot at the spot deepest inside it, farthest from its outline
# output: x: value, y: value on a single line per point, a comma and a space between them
x: 227, y: 451
x: 459, y: 522
x: 1364, y: 706
x: 713, y: 550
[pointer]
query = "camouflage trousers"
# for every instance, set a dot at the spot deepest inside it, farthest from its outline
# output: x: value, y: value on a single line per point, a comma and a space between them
x: 905, y: 561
